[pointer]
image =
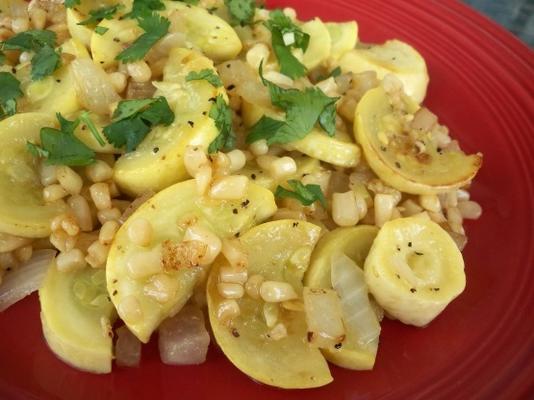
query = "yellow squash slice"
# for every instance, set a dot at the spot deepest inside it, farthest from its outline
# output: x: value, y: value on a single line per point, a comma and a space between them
x: 343, y: 36
x: 396, y: 157
x: 170, y: 212
x: 414, y: 269
x: 320, y: 44
x: 23, y: 211
x: 278, y: 251
x: 392, y: 57
x: 76, y: 316
x: 52, y: 94
x: 355, y: 243
x: 158, y: 160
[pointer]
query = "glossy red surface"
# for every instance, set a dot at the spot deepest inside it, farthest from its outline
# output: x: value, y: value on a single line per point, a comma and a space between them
x: 481, y: 347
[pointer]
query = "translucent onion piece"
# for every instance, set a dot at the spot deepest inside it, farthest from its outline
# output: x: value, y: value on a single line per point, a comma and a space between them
x: 183, y: 339
x: 324, y: 317
x: 93, y: 87
x: 359, y: 315
x: 26, y: 279
x: 127, y: 348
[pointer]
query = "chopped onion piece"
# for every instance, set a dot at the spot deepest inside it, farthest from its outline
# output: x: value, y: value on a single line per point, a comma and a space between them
x: 93, y: 86
x: 26, y: 279
x: 183, y: 339
x: 359, y: 316
x: 324, y: 317
x: 127, y: 348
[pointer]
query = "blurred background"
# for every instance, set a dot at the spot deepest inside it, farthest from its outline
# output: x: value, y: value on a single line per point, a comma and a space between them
x: 515, y: 15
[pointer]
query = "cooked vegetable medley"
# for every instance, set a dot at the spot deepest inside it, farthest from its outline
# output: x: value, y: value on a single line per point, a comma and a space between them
x: 173, y: 164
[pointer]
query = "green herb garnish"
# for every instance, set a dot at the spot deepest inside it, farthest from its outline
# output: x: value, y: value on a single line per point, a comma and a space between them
x: 286, y: 36
x: 9, y: 93
x: 155, y: 28
x: 241, y: 11
x: 72, y: 3
x: 303, y: 110
x: 134, y: 119
x: 61, y: 147
x: 95, y: 16
x: 42, y: 42
x: 306, y: 194
x: 222, y: 115
x: 206, y: 74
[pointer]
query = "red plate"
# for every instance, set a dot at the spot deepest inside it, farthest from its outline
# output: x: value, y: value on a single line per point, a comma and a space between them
x: 482, y: 346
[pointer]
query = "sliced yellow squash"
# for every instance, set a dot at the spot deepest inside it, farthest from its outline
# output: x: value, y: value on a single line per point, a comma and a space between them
x: 355, y: 243
x: 396, y: 157
x: 392, y: 57
x: 23, y: 211
x: 278, y: 251
x: 320, y: 44
x: 170, y: 212
x: 81, y: 33
x: 414, y: 270
x: 207, y: 32
x: 76, y: 316
x: 52, y: 94
x: 158, y: 160
x: 343, y: 37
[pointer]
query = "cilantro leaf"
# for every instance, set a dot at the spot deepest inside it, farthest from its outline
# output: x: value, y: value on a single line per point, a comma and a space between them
x: 100, y: 30
x: 61, y: 147
x: 95, y: 16
x: 31, y: 40
x: 282, y: 26
x: 45, y: 62
x: 72, y: 3
x: 145, y: 8
x: 155, y: 27
x: 192, y: 2
x: 207, y: 74
x: 9, y: 93
x: 241, y: 11
x: 2, y: 57
x: 307, y: 195
x: 222, y: 115
x: 134, y: 119
x: 303, y: 110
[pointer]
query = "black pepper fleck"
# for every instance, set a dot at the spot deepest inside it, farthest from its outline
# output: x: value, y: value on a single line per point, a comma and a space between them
x: 413, y: 290
x: 338, y: 345
x: 235, y: 211
x: 230, y: 87
x: 114, y: 293
x: 116, y: 40
x: 397, y: 164
x: 295, y: 224
x: 409, y: 244
x: 191, y: 123
x: 419, y: 254
x: 235, y: 333
x: 253, y: 177
x: 155, y: 150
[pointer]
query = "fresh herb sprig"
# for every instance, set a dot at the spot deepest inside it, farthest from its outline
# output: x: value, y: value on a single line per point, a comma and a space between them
x: 241, y: 11
x: 155, y: 27
x: 41, y: 42
x: 61, y: 147
x: 205, y: 74
x: 222, y: 115
x: 9, y: 94
x: 132, y: 120
x: 306, y: 194
x: 303, y: 110
x: 286, y: 35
